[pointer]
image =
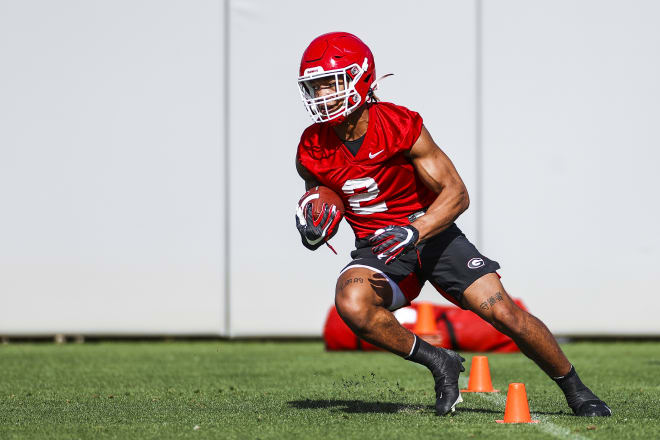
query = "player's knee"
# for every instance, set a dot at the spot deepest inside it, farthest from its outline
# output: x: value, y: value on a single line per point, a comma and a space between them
x: 352, y: 307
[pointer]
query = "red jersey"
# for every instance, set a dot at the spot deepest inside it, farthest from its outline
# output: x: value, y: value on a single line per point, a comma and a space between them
x: 379, y: 186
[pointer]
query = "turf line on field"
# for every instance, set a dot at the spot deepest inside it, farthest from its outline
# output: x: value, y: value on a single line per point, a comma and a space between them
x: 545, y: 425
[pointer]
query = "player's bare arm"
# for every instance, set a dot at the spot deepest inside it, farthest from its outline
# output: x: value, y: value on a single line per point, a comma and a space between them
x: 438, y: 173
x: 310, y: 181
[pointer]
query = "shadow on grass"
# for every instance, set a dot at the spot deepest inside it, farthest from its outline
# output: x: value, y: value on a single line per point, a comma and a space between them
x: 361, y: 407
x: 358, y: 406
x: 463, y: 409
x: 460, y: 408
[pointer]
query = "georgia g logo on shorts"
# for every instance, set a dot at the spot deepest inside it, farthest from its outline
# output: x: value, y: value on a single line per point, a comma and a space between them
x: 475, y: 263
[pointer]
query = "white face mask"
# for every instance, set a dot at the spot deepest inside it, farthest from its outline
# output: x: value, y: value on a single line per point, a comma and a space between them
x: 341, y: 101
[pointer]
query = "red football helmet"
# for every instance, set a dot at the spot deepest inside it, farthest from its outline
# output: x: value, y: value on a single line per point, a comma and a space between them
x: 342, y: 63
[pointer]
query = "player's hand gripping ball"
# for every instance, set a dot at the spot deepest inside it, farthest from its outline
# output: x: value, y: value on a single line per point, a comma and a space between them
x: 318, y: 215
x: 393, y: 241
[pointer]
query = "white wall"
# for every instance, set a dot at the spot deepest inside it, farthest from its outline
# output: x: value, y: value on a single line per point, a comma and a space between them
x: 571, y: 147
x: 111, y: 167
x: 113, y: 174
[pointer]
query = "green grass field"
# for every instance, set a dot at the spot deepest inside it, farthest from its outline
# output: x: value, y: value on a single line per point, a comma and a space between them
x: 297, y: 390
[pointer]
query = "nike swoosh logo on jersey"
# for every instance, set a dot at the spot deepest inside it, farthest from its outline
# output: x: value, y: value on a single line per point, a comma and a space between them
x: 371, y: 156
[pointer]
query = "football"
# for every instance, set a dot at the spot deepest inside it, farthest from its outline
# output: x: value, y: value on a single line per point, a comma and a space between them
x: 318, y: 196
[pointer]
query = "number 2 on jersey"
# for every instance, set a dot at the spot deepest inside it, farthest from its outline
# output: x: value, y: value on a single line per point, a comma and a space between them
x: 372, y: 192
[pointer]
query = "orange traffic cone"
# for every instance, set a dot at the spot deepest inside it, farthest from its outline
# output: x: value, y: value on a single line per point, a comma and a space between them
x: 480, y: 377
x: 517, y: 408
x: 425, y: 324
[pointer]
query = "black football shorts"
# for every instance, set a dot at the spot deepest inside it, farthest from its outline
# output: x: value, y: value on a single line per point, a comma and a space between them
x: 447, y: 260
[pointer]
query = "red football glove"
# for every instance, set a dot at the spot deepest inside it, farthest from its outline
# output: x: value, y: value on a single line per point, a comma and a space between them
x: 315, y: 232
x: 393, y: 241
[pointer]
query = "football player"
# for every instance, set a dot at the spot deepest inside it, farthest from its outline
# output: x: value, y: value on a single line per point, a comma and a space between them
x: 402, y: 196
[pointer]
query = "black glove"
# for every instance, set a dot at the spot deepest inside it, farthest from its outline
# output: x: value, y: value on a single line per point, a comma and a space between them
x: 316, y: 232
x: 393, y: 241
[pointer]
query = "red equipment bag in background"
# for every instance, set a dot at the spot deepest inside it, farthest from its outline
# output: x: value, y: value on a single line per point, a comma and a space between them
x: 458, y: 329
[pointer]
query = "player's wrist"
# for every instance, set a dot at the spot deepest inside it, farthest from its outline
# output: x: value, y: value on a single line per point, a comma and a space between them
x: 423, y: 229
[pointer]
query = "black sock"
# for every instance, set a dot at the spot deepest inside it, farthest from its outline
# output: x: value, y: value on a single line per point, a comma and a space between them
x: 575, y: 391
x: 425, y: 354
